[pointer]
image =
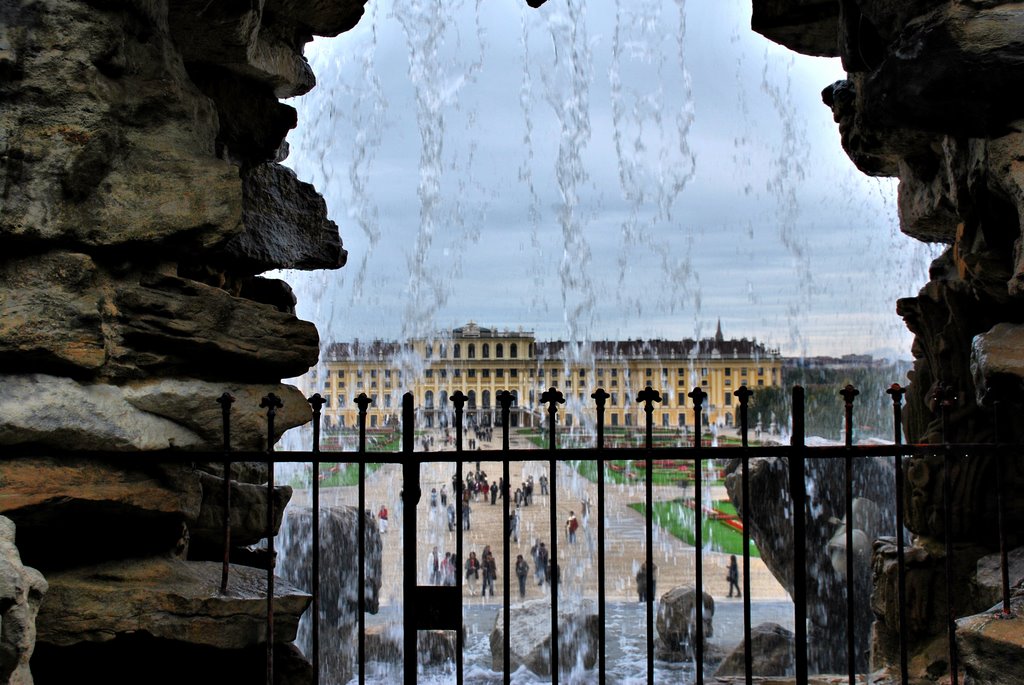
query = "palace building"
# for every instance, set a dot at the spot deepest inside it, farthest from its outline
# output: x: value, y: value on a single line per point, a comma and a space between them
x: 481, y: 362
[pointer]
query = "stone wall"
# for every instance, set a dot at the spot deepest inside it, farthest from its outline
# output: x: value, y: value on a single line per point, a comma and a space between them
x: 142, y: 194
x: 930, y: 98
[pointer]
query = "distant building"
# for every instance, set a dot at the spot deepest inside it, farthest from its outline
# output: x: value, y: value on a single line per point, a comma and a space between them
x: 484, y: 361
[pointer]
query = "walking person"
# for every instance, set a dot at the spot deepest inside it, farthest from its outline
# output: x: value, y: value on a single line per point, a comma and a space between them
x: 641, y: 581
x: 444, y: 495
x: 472, y: 572
x: 494, y: 493
x: 490, y: 569
x: 540, y: 563
x: 522, y: 569
x: 434, y: 567
x: 733, y: 576
x: 382, y: 517
x: 572, y: 524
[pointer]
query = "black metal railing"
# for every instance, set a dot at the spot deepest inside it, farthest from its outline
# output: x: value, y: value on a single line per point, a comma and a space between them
x: 437, y: 607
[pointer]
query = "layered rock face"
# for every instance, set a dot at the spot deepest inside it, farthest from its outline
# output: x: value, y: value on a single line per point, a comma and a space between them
x: 929, y: 99
x: 142, y: 195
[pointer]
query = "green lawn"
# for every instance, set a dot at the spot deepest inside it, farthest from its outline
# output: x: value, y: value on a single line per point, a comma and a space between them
x: 347, y: 474
x: 678, y: 520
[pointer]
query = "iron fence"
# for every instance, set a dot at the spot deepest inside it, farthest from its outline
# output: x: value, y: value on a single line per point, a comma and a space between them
x: 436, y: 607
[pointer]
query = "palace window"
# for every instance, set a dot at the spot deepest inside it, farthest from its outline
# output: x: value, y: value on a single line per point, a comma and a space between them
x: 471, y: 399
x: 728, y: 371
x: 472, y: 351
x: 457, y: 351
x: 499, y: 373
x: 485, y: 399
x: 430, y: 350
x: 600, y: 373
x: 456, y: 373
x: 429, y: 373
x: 471, y: 373
x: 499, y: 350
x: 728, y: 399
x: 647, y: 372
x: 428, y: 399
x: 487, y: 350
x: 486, y: 373
x: 513, y: 373
x: 513, y: 351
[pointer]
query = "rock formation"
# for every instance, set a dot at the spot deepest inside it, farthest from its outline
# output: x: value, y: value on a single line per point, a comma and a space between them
x: 530, y: 642
x: 772, y: 648
x: 677, y: 623
x: 339, y: 578
x: 142, y: 196
x: 927, y: 99
x: 771, y: 527
x: 21, y: 590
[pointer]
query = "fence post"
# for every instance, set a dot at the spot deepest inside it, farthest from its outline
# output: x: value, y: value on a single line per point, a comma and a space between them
x: 698, y: 396
x: 648, y: 396
x: 271, y: 403
x: 225, y: 401
x: 317, y: 402
x: 459, y: 400
x: 743, y: 394
x: 505, y: 399
x: 995, y: 396
x: 848, y: 394
x: 798, y: 497
x: 896, y: 392
x: 363, y: 403
x: 552, y: 397
x: 945, y: 398
x: 600, y: 397
x: 410, y: 498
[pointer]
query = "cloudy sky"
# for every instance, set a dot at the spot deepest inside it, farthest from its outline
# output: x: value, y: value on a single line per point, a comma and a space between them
x: 593, y: 169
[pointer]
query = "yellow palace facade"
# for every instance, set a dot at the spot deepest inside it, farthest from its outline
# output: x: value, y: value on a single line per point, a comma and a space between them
x: 481, y: 362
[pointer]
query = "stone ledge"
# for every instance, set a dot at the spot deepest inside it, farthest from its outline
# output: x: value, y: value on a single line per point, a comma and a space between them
x: 166, y: 598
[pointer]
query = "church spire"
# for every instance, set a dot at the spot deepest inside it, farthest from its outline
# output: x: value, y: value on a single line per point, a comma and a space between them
x: 718, y: 332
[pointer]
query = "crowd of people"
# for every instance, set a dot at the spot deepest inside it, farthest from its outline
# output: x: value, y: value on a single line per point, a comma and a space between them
x: 481, y: 571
